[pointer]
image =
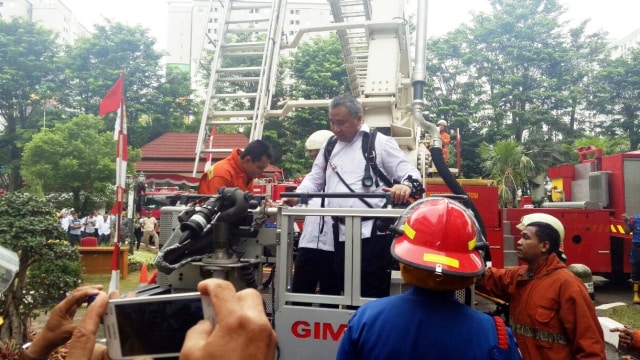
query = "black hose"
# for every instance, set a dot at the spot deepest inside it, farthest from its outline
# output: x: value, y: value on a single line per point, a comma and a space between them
x: 454, y: 186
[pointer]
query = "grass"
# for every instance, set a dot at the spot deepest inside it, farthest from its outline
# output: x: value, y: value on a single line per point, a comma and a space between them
x: 133, y: 279
x: 128, y: 284
x: 628, y: 315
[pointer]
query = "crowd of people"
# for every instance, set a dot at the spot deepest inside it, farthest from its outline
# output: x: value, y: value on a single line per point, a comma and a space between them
x: 102, y: 228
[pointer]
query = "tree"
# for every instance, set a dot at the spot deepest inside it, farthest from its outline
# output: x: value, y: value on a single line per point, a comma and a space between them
x: 507, y: 164
x: 29, y: 227
x: 618, y: 95
x: 453, y: 94
x: 315, y: 71
x: 28, y: 65
x: 95, y: 62
x: 515, y: 50
x: 75, y: 157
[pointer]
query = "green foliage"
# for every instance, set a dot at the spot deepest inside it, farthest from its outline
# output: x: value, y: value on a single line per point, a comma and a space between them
x: 51, y: 279
x: 28, y: 56
x: 618, y: 95
x: 74, y: 157
x: 318, y: 73
x: 141, y: 257
x: 608, y: 145
x: 507, y: 163
x: 27, y: 225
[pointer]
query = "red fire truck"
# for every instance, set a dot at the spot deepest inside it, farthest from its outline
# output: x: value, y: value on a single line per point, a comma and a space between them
x: 589, y: 198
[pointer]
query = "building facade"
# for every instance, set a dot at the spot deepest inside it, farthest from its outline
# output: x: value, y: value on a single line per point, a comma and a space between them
x: 50, y: 14
x: 194, y: 24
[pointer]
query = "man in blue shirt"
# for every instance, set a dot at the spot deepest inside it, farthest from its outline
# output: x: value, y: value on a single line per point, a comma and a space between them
x: 438, y: 255
x: 632, y: 225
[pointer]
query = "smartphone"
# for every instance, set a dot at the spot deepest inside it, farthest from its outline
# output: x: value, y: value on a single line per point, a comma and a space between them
x: 153, y: 326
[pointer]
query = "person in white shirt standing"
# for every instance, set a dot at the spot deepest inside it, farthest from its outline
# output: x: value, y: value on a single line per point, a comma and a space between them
x: 104, y: 229
x: 345, y: 170
x: 315, y: 260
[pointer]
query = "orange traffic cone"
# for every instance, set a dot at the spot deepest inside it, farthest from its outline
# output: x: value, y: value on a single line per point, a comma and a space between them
x: 143, y: 275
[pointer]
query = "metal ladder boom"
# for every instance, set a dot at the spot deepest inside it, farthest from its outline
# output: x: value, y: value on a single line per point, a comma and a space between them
x: 354, y: 42
x: 242, y: 73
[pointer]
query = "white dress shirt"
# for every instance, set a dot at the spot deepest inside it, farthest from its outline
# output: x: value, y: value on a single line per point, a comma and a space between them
x: 350, y: 163
x: 317, y: 232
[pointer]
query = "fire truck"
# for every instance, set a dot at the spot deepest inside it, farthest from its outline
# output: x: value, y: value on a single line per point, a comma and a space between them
x: 227, y: 236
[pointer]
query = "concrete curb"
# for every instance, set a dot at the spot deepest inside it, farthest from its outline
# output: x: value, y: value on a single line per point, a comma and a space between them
x: 608, y: 323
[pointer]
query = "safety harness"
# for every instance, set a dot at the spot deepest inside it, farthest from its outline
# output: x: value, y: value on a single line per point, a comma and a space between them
x: 369, y: 153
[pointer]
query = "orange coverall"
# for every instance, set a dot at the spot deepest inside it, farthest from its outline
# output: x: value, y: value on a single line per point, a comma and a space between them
x: 227, y: 172
x: 551, y: 313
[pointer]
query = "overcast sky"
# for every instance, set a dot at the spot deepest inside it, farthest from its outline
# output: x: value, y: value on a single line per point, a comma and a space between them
x: 618, y: 17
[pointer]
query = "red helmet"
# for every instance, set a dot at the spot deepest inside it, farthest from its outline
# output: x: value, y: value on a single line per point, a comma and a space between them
x: 440, y: 235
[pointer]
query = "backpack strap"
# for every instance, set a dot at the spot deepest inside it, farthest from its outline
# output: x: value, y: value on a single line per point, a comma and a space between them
x: 328, y: 149
x: 368, y: 152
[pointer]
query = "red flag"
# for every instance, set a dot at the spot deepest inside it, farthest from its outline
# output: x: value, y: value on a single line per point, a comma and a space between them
x: 113, y: 99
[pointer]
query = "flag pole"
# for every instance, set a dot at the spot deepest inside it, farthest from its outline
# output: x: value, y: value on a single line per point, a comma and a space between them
x: 121, y: 163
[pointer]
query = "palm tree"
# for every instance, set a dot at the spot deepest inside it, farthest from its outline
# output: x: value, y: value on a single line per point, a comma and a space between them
x: 507, y: 164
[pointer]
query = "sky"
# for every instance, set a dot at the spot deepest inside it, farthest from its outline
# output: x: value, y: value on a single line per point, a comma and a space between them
x: 618, y: 17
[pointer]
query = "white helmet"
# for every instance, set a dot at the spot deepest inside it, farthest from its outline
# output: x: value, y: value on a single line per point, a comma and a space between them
x: 543, y: 218
x: 442, y: 122
x: 317, y: 139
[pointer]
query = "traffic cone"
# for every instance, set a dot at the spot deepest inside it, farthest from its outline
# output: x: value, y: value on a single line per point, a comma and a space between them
x: 143, y: 275
x: 636, y: 296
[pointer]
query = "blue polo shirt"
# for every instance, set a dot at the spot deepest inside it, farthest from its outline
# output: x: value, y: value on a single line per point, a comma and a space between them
x: 422, y: 324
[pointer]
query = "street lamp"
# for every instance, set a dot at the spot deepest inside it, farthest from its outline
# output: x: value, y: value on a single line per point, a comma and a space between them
x: 136, y: 190
x: 130, y: 205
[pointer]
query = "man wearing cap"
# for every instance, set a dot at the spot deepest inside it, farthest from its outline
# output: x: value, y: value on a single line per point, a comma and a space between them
x: 632, y: 225
x: 551, y: 313
x: 437, y: 254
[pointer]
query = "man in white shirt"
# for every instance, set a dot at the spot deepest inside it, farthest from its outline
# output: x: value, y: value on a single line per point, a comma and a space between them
x: 344, y: 172
x: 104, y: 229
x: 315, y: 260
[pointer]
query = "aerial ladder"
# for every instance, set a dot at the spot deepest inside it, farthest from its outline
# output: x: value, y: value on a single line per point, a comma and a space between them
x: 243, y: 71
x: 203, y: 243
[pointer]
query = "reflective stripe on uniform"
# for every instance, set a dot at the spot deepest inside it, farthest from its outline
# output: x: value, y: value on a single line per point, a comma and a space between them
x: 537, y: 334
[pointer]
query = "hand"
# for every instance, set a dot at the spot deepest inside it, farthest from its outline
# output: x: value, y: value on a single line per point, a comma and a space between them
x: 290, y: 201
x: 60, y: 326
x: 399, y: 193
x: 242, y: 330
x: 625, y: 336
x: 83, y: 342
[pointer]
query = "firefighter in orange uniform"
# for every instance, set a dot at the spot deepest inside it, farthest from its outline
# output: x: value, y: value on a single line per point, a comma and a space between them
x: 445, y: 138
x: 551, y: 313
x: 238, y: 169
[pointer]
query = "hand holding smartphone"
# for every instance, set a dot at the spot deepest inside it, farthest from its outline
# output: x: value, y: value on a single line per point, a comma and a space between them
x: 153, y: 326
